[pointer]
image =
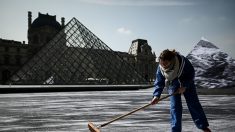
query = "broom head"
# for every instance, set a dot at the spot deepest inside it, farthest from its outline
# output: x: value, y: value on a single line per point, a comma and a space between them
x: 92, y: 127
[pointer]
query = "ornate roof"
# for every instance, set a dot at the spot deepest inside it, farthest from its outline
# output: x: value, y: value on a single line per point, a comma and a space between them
x: 45, y: 20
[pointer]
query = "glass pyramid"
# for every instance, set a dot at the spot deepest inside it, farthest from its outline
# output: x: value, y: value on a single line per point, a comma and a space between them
x: 76, y: 56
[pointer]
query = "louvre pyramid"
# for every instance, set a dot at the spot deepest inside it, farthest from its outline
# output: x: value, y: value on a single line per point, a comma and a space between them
x: 76, y: 56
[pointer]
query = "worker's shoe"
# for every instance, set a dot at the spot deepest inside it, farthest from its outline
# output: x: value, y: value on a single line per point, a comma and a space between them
x: 206, y: 130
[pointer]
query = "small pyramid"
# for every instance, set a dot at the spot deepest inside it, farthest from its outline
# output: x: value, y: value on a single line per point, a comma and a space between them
x: 76, y: 56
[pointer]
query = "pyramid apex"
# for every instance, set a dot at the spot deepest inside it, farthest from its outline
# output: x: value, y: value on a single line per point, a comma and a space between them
x: 204, y: 39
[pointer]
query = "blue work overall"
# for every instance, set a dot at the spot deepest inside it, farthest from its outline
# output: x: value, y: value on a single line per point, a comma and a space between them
x: 186, y: 80
x: 194, y: 107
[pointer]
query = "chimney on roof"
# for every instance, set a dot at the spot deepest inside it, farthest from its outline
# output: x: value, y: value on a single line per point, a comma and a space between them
x: 29, y: 19
x: 62, y: 21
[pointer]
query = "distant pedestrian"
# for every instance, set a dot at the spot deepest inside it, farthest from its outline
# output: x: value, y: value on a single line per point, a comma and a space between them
x: 176, y: 73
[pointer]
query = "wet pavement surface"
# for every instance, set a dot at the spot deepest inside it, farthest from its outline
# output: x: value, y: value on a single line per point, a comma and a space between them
x: 71, y: 111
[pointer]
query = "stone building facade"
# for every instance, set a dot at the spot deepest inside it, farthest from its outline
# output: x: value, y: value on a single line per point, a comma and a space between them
x: 141, y: 57
x: 13, y: 54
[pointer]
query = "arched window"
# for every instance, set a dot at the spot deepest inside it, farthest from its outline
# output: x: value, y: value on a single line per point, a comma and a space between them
x: 35, y: 39
x: 5, y: 76
x: 47, y: 39
x: 18, y: 59
x: 6, y: 59
x: 146, y: 52
x: 6, y: 49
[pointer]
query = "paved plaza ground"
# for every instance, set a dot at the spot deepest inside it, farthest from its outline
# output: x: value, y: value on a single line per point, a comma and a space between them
x: 71, y: 111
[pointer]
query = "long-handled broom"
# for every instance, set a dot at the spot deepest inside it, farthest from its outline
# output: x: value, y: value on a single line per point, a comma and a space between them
x: 94, y: 128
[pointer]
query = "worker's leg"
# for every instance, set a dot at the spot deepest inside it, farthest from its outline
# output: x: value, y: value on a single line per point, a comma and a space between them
x: 195, y: 107
x: 176, y: 113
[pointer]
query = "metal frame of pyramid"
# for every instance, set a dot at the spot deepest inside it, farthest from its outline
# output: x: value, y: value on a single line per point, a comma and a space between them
x: 76, y: 56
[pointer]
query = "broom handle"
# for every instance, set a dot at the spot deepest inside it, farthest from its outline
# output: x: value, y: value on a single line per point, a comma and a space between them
x: 133, y: 111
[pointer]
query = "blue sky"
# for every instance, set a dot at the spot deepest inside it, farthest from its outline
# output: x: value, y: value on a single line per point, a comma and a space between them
x: 172, y: 24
